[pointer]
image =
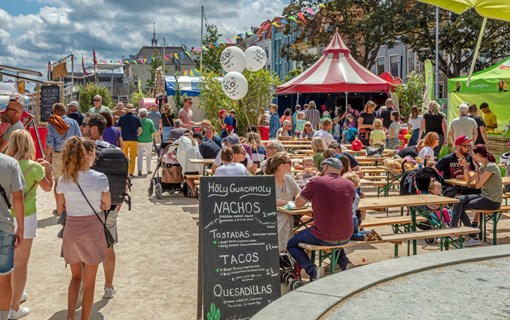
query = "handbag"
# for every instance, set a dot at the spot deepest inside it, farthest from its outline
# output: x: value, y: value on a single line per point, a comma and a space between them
x: 109, y: 238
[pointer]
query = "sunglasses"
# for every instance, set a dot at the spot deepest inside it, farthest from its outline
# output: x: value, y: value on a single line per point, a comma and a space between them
x: 307, y: 125
x: 7, y: 109
x: 465, y: 146
x: 97, y: 100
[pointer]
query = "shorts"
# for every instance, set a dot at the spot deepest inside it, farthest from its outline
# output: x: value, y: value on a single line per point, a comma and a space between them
x: 30, y: 226
x: 6, y: 253
x: 56, y: 164
x: 111, y: 224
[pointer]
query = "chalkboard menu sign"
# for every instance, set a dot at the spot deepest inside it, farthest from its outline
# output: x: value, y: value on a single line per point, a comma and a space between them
x: 50, y: 94
x: 239, y: 246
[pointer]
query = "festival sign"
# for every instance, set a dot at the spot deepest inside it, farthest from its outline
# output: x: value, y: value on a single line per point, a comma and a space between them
x: 239, y: 246
x: 50, y: 94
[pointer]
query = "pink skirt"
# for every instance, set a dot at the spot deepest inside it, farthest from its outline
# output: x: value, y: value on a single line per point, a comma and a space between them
x: 84, y: 240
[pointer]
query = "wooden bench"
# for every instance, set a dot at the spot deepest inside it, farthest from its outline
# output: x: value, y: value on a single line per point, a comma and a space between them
x: 445, y: 235
x: 332, y: 252
x: 489, y: 215
x: 391, y: 221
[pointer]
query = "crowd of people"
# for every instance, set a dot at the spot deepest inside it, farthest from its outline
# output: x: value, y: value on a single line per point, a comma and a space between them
x: 328, y: 176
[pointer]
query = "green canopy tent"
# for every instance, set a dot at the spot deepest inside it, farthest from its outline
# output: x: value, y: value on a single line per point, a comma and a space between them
x: 491, y: 85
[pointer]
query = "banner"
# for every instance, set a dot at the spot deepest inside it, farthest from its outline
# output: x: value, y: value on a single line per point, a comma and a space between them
x: 59, y: 71
x: 498, y: 104
x: 429, y: 83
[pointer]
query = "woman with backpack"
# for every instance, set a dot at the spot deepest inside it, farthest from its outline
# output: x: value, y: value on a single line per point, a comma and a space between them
x: 82, y: 193
x: 36, y: 173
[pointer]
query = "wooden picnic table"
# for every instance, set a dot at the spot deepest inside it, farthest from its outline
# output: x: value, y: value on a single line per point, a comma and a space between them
x: 463, y: 183
x: 284, y: 142
x: 201, y: 161
x: 297, y: 146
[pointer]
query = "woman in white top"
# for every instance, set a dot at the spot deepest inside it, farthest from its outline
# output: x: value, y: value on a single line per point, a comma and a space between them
x: 430, y: 141
x: 229, y: 167
x: 287, y: 189
x: 415, y: 119
x: 84, y: 240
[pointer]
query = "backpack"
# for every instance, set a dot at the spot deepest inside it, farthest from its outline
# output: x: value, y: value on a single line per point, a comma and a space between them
x: 111, y: 161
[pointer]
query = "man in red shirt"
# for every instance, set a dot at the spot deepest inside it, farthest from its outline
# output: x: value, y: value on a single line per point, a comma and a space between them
x: 332, y: 197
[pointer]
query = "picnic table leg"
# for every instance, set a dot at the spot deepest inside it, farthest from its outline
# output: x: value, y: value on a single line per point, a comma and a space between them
x: 495, y: 219
x: 412, y: 212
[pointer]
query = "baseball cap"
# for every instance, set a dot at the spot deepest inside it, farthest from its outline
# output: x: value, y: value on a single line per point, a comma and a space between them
x: 74, y: 104
x: 333, y: 162
x: 233, y: 139
x: 462, y: 139
x: 13, y: 104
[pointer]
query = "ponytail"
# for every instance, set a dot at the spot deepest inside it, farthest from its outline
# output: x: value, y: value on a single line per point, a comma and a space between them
x: 482, y: 150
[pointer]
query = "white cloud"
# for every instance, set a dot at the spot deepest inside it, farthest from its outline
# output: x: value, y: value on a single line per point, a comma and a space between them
x: 118, y: 28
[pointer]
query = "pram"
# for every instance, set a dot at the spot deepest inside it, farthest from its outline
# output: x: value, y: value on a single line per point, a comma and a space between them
x: 417, y: 182
x: 170, y: 179
x: 290, y: 272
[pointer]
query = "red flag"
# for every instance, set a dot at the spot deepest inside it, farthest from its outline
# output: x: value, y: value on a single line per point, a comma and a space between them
x: 83, y: 66
x: 95, y: 60
x: 302, y: 16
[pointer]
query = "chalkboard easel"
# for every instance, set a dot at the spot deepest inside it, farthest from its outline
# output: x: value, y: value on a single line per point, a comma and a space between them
x: 239, y: 270
x: 49, y: 95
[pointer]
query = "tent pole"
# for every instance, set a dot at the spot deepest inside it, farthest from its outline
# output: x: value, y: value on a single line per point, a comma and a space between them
x: 477, y: 49
x: 346, y: 100
x: 297, y: 98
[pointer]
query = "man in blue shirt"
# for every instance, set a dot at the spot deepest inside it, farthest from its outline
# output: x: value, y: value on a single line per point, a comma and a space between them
x: 130, y: 128
x: 58, y: 133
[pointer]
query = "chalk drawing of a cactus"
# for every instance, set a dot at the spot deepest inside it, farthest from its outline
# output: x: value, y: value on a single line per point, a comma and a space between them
x: 214, y: 313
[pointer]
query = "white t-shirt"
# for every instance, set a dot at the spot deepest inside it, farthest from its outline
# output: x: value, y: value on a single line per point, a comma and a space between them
x: 326, y: 136
x: 426, y: 152
x: 231, y: 169
x: 416, y: 123
x: 337, y: 132
x: 92, y: 183
x: 217, y: 160
x: 464, y: 125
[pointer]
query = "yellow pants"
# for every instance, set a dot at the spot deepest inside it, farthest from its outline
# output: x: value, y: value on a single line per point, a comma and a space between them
x: 131, y: 150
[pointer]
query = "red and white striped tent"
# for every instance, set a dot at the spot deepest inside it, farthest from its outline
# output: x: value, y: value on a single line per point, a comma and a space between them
x: 336, y: 71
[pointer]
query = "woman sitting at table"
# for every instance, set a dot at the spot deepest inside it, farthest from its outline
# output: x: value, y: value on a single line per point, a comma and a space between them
x: 258, y: 154
x: 308, y: 132
x: 228, y: 166
x: 318, y: 147
x: 241, y: 156
x: 487, y: 177
x: 286, y: 190
x: 430, y: 141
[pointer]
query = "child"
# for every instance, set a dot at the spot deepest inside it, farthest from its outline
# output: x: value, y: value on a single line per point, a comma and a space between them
x: 233, y: 119
x: 226, y: 123
x: 377, y: 136
x: 358, y: 235
x: 309, y: 171
x: 300, y: 123
x: 443, y: 215
x: 349, y: 122
x: 394, y: 129
x: 337, y: 130
x: 430, y: 141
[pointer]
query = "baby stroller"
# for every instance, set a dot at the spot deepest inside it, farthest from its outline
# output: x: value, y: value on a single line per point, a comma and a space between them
x: 170, y: 178
x: 290, y: 272
x: 417, y: 182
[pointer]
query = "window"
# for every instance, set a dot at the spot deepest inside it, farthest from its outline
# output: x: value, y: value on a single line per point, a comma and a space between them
x: 440, y: 94
x: 421, y: 68
x: 410, y: 61
x: 394, y: 62
x: 379, y: 62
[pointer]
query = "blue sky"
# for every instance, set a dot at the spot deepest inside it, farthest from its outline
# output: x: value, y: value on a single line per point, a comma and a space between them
x: 33, y: 32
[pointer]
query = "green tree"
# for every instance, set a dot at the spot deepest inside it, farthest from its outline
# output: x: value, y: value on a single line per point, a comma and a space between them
x: 211, y: 56
x: 260, y: 92
x: 365, y: 25
x: 458, y: 35
x: 88, y: 92
x: 178, y: 97
x: 292, y: 74
x: 410, y: 93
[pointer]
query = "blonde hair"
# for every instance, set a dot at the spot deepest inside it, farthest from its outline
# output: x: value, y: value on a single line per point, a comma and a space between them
x: 275, y: 161
x: 305, y: 159
x: 312, y: 105
x: 369, y: 104
x: 21, y: 146
x: 74, y: 157
x: 329, y: 153
x: 434, y: 108
x: 253, y: 139
x: 429, y: 138
x: 352, y: 176
x: 377, y: 124
x: 318, y: 145
x: 300, y: 115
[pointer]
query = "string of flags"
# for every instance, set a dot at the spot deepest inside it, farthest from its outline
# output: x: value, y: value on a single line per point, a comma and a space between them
x: 177, y: 56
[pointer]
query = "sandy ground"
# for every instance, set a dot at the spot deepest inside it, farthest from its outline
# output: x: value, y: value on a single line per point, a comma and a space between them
x: 156, y: 274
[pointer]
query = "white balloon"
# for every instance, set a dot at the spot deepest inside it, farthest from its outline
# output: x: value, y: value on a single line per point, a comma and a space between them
x: 235, y: 85
x: 233, y: 59
x: 255, y: 58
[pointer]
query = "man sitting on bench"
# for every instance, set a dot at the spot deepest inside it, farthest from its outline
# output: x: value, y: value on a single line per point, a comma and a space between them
x: 332, y: 197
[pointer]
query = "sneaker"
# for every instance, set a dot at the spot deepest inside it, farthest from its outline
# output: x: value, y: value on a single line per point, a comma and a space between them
x: 22, y: 312
x: 109, y: 293
x: 317, y: 273
x: 471, y: 242
x: 55, y: 213
x: 24, y: 297
x: 139, y: 173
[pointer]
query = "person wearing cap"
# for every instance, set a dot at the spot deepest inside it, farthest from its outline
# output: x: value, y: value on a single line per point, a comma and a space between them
x: 463, y: 125
x: 283, y: 132
x: 130, y: 128
x: 324, y: 132
x: 12, y: 115
x: 98, y: 105
x: 488, y: 116
x: 450, y: 168
x: 332, y: 225
x: 73, y: 112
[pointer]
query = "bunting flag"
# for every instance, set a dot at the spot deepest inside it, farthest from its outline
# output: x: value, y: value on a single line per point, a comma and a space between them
x: 310, y: 11
x: 185, y: 73
x: 191, y: 74
x: 292, y: 18
x: 275, y: 24
x: 301, y: 16
x: 166, y: 58
x: 83, y: 66
x: 322, y: 5
x: 250, y: 33
x: 284, y: 21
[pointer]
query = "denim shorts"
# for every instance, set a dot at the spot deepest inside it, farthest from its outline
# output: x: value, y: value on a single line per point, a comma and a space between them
x: 6, y: 253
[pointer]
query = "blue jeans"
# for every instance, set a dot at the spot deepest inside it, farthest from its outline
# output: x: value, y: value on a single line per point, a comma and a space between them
x: 467, y: 202
x: 414, y: 138
x: 357, y: 235
x: 6, y: 253
x: 302, y: 258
